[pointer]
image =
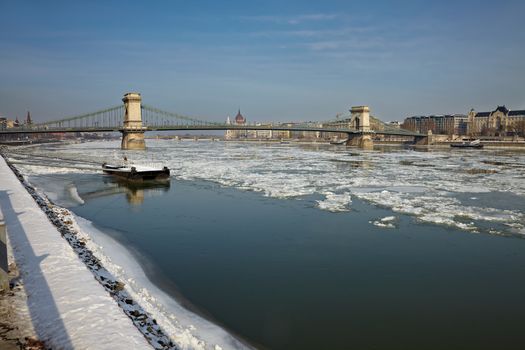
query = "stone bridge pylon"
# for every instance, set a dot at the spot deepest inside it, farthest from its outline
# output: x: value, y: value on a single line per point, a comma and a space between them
x: 360, y: 121
x: 132, y: 130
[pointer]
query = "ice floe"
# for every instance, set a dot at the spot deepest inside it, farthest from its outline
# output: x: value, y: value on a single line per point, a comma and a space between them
x: 425, y: 185
x: 335, y: 202
x: 421, y: 184
x: 386, y: 222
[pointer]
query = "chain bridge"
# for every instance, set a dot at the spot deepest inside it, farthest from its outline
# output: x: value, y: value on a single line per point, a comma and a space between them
x: 133, y: 119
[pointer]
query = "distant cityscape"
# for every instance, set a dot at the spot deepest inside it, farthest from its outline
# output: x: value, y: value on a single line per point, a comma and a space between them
x: 6, y: 123
x: 501, y: 123
x: 340, y: 122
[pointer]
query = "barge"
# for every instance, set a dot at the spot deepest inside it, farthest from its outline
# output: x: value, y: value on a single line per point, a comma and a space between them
x: 338, y: 142
x: 471, y: 144
x: 136, y: 173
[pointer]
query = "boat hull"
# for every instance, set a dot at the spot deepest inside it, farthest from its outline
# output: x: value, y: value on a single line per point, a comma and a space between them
x: 134, y: 175
x: 466, y: 146
x: 338, y: 143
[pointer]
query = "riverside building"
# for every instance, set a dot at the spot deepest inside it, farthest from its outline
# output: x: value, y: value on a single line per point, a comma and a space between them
x: 499, y: 122
x: 240, y: 120
x: 236, y: 134
x: 450, y: 124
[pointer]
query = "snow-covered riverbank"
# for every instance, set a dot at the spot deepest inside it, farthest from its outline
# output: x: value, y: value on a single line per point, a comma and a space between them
x: 164, y: 323
x: 67, y: 306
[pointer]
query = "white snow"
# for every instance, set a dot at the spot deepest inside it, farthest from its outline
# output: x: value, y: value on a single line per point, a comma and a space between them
x: 68, y: 307
x: 335, y: 202
x: 386, y: 222
x: 186, y: 329
x: 138, y: 168
x: 73, y: 193
x: 422, y: 184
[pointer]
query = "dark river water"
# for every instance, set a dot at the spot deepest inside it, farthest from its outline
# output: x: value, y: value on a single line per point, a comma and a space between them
x: 280, y: 273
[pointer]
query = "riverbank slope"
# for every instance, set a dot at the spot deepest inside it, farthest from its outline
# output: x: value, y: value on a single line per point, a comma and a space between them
x: 67, y: 307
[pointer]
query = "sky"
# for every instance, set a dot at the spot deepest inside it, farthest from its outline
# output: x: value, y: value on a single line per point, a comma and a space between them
x: 275, y: 60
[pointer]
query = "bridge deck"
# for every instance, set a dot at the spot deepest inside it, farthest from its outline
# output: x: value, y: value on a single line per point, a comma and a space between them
x: 36, y: 130
x: 113, y: 119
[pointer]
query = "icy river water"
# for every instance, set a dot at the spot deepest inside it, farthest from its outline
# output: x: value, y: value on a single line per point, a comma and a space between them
x: 287, y: 246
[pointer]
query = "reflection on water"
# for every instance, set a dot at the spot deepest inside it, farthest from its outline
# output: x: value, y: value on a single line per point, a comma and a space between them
x: 257, y: 265
x: 342, y: 164
x: 135, y: 191
x: 324, y: 247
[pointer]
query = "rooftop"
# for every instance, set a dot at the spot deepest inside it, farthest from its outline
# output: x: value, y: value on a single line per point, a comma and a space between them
x: 239, y: 119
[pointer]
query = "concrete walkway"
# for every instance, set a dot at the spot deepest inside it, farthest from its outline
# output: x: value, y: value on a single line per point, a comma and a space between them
x: 68, y: 308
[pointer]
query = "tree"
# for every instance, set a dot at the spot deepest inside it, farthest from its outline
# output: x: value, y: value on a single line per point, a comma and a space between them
x: 488, y: 131
x: 517, y: 128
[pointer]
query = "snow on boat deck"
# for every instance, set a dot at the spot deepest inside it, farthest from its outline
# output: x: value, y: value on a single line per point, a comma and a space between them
x: 138, y: 168
x: 68, y: 307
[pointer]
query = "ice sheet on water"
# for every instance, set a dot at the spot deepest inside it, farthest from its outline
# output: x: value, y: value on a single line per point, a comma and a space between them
x: 335, y: 202
x: 422, y: 184
x: 386, y: 222
x: 73, y: 194
x: 43, y: 169
x: 440, y: 208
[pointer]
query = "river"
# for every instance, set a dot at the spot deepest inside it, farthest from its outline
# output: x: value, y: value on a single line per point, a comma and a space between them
x: 288, y: 246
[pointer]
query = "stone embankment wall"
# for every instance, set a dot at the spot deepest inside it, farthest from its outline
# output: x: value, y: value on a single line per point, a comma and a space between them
x: 72, y: 301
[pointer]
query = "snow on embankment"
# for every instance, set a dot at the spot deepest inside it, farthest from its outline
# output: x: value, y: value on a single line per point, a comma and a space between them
x: 68, y: 307
x: 187, y: 329
x: 162, y: 319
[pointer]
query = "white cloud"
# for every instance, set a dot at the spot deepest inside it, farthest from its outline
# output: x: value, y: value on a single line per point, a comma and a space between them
x: 293, y: 20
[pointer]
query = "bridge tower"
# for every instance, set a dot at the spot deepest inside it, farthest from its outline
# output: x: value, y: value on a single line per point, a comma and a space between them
x: 132, y: 131
x: 360, y: 121
x: 360, y: 118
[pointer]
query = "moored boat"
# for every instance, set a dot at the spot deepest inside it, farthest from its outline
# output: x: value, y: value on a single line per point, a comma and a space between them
x: 471, y: 144
x: 338, y: 142
x: 137, y: 173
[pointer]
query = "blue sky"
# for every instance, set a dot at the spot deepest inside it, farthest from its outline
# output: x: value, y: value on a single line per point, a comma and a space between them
x: 276, y: 60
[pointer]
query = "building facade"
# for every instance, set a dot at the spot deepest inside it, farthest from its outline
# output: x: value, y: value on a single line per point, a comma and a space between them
x: 257, y: 134
x: 236, y: 134
x: 499, y: 122
x: 450, y: 124
x: 6, y: 123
